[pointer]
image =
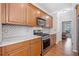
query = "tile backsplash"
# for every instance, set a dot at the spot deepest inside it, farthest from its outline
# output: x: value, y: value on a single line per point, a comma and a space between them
x: 14, y: 31
x: 46, y: 30
x: 10, y: 31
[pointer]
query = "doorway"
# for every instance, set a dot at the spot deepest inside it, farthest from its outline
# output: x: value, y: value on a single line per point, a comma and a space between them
x: 67, y: 35
x: 66, y: 29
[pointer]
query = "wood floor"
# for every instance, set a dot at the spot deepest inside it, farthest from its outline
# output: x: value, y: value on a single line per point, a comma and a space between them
x: 63, y: 48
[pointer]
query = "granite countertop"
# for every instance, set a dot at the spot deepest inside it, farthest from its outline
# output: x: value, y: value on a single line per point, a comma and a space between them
x: 9, y: 41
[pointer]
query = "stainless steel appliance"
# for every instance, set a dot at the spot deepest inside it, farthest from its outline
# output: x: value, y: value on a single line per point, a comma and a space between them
x: 45, y: 38
x: 46, y: 41
x: 77, y: 34
x: 41, y: 22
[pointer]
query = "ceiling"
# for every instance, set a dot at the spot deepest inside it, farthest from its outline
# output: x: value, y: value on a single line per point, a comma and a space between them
x: 53, y: 7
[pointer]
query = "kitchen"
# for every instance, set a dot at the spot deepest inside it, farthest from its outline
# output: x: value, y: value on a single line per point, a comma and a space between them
x: 26, y: 30
x: 18, y: 22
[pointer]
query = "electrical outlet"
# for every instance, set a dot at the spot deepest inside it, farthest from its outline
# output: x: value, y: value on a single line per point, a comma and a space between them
x: 5, y: 31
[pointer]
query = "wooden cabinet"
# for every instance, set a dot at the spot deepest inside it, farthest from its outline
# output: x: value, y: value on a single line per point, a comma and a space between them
x: 19, y: 14
x: 0, y: 51
x: 42, y: 15
x: 15, y: 13
x: 23, y: 14
x: 0, y: 13
x: 18, y: 49
x: 26, y: 48
x: 49, y: 22
x: 77, y: 10
x: 32, y: 15
x: 31, y: 19
x: 36, y: 47
x: 20, y: 52
x: 53, y: 40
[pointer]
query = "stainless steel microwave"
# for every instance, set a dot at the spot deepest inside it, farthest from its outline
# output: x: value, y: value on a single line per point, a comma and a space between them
x: 41, y: 22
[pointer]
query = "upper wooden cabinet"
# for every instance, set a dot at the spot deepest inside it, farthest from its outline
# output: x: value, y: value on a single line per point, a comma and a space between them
x: 36, y: 47
x: 42, y: 15
x: 77, y: 10
x: 32, y: 15
x: 49, y: 19
x: 15, y: 13
x: 22, y: 14
x: 49, y: 22
x: 31, y: 19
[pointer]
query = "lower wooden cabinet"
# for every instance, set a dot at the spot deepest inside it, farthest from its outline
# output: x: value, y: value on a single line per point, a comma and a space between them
x: 21, y: 52
x: 0, y: 52
x: 26, y: 48
x: 36, y: 48
x: 53, y: 40
x: 17, y: 49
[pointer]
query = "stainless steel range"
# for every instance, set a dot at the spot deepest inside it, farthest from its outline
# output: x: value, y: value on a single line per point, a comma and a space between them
x: 45, y: 38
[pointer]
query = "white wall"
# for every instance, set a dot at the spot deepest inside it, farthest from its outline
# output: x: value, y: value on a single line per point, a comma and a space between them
x: 61, y: 16
x: 58, y: 17
x: 71, y: 16
x: 68, y: 16
x: 54, y: 28
x: 74, y: 31
x: 59, y: 27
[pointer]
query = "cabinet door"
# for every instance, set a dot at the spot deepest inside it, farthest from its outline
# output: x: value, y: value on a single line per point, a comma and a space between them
x: 36, y: 49
x: 38, y: 13
x: 0, y: 52
x: 77, y: 10
x: 49, y: 22
x: 22, y: 52
x: 31, y: 18
x: 42, y: 15
x: 16, y: 13
x: 53, y: 40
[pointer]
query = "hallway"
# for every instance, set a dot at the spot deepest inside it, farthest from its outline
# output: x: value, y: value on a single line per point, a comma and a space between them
x: 63, y: 48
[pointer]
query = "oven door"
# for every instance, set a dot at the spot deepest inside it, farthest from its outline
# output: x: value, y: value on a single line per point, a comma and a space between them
x: 46, y: 43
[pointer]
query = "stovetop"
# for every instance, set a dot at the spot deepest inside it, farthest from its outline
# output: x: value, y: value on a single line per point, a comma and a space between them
x: 42, y: 34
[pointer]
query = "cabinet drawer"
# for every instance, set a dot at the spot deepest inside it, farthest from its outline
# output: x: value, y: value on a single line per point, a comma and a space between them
x: 15, y: 46
x: 24, y: 51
